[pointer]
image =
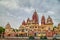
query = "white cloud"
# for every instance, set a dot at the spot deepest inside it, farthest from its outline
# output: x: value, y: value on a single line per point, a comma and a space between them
x: 20, y: 18
x: 11, y: 4
x: 27, y: 6
x: 10, y: 15
x: 29, y: 10
x: 51, y: 12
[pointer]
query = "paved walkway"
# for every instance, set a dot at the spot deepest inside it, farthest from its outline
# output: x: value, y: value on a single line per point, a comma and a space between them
x: 20, y: 38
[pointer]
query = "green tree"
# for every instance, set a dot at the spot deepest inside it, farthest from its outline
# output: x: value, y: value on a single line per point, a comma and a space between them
x: 43, y: 38
x: 54, y: 28
x: 31, y: 38
x: 2, y: 30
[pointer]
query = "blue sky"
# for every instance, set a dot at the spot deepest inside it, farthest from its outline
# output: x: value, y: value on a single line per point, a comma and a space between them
x: 15, y: 11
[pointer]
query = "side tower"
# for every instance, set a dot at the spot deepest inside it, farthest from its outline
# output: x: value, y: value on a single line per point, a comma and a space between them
x: 49, y: 20
x: 43, y: 20
x: 7, y: 26
x: 49, y: 23
x: 23, y: 23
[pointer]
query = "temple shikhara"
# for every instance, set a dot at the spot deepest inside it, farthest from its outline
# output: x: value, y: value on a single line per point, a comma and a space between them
x: 32, y: 27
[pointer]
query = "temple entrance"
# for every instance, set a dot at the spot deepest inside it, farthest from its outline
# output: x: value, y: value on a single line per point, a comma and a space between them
x: 35, y: 34
x: 22, y: 34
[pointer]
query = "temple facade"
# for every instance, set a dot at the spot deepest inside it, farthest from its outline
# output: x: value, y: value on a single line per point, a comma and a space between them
x: 32, y: 27
x: 9, y: 31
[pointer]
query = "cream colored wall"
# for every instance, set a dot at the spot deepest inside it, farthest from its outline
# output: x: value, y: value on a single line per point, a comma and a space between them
x: 49, y: 26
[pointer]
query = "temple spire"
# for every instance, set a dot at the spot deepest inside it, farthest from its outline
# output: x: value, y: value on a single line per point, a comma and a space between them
x: 23, y: 23
x: 49, y: 20
x: 28, y: 20
x: 35, y: 17
x: 8, y: 25
x: 43, y: 20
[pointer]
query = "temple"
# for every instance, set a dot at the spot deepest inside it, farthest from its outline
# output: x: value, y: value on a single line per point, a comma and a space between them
x: 32, y: 27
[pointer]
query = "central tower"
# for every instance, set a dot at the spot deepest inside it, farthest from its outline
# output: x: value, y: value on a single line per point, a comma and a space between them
x: 35, y: 17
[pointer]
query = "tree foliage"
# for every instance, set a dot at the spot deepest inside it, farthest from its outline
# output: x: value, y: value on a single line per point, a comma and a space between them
x: 1, y: 29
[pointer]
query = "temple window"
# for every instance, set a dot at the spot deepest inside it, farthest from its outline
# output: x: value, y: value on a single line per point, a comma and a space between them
x: 35, y: 26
